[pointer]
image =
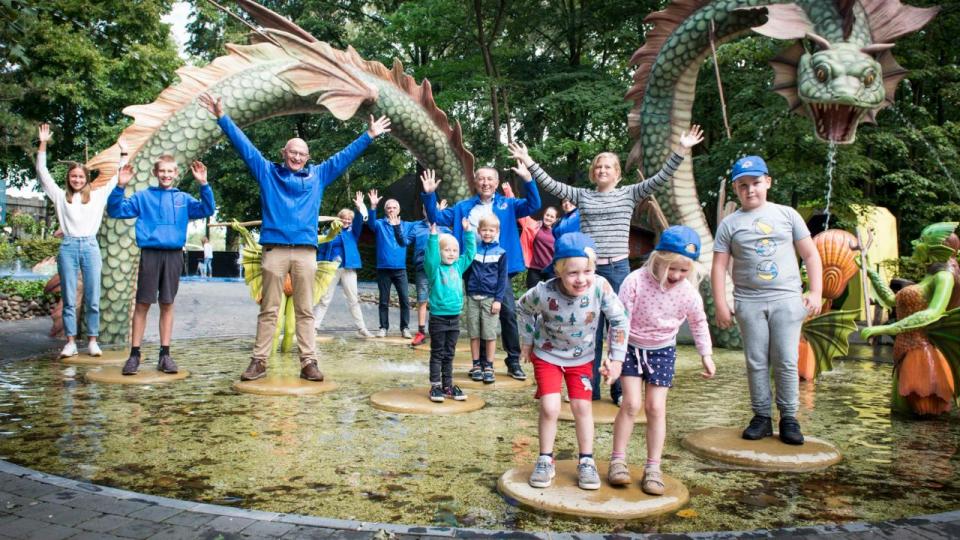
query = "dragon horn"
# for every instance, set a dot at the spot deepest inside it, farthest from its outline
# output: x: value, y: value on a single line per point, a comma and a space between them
x: 819, y: 40
x: 876, y: 48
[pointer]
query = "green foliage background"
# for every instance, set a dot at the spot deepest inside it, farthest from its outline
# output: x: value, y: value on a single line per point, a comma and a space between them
x: 551, y: 74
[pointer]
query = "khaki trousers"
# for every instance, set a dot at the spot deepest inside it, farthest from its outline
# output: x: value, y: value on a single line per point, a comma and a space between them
x: 301, y: 263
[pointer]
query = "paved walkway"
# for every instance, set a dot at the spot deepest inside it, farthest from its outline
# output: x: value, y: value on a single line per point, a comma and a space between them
x: 42, y: 506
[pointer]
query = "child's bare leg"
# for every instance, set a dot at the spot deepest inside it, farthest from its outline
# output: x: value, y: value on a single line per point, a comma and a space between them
x: 475, y: 348
x: 491, y: 346
x: 655, y: 406
x: 627, y: 416
x: 166, y: 324
x: 549, y: 415
x: 583, y: 420
x: 139, y: 323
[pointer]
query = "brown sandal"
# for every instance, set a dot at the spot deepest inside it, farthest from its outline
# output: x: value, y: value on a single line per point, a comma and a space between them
x: 652, y: 482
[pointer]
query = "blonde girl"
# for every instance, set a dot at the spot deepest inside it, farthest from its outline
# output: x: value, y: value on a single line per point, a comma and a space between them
x: 660, y: 296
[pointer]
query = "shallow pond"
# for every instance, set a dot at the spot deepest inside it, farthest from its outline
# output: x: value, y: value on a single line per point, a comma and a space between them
x: 334, y: 455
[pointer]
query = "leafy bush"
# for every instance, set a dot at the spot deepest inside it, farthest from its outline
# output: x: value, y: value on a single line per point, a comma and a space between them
x: 26, y: 289
x: 7, y: 251
x: 35, y: 250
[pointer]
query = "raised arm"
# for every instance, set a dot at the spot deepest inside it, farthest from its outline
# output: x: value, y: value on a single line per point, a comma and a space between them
x: 469, y: 249
x: 942, y: 283
x: 46, y: 181
x: 569, y: 224
x: 531, y: 203
x: 333, y: 167
x: 431, y: 255
x: 687, y: 141
x: 206, y: 206
x: 519, y: 152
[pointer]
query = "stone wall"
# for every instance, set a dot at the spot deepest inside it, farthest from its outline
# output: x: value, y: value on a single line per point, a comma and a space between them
x: 15, y: 307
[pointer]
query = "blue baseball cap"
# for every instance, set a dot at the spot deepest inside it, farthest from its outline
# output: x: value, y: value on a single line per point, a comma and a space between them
x: 748, y: 166
x: 680, y: 239
x: 572, y: 244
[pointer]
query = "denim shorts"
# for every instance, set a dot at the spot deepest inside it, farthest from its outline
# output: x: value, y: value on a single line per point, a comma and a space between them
x: 422, y: 283
x: 655, y: 366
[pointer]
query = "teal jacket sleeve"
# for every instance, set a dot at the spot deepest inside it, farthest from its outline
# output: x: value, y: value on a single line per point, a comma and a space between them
x: 470, y: 251
x: 431, y: 257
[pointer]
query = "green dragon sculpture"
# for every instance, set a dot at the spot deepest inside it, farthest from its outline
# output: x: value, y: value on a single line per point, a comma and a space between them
x: 286, y: 72
x: 839, y: 72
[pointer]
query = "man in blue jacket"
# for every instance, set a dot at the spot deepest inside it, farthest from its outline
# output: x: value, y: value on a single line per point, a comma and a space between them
x: 290, y: 197
x: 162, y: 214
x: 507, y: 210
x: 391, y: 233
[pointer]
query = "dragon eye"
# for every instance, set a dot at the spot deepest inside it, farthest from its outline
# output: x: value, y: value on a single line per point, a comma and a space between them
x: 869, y: 78
x: 822, y: 74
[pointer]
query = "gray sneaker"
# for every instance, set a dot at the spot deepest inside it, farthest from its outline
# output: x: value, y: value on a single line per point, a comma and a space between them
x: 588, y: 477
x: 543, y: 472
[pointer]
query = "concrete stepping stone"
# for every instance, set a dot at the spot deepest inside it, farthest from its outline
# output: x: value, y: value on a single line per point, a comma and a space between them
x: 604, y: 412
x: 724, y: 444
x: 107, y: 359
x: 608, y: 502
x: 147, y: 375
x: 278, y: 383
x: 417, y: 401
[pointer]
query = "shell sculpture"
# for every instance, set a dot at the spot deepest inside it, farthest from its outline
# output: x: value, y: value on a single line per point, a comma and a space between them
x: 825, y: 336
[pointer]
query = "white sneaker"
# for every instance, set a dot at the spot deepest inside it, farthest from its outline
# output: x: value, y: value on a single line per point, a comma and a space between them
x: 364, y: 333
x: 70, y: 349
x: 94, y: 349
x: 382, y: 332
x: 406, y: 333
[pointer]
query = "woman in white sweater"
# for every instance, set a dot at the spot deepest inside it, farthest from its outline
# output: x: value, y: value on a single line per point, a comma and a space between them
x: 79, y: 211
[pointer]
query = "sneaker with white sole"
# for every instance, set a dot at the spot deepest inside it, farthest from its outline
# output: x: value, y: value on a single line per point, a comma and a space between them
x: 587, y: 475
x: 364, y: 333
x: 436, y: 394
x: 543, y: 472
x: 93, y: 349
x: 406, y: 333
x: 382, y: 332
x: 70, y: 349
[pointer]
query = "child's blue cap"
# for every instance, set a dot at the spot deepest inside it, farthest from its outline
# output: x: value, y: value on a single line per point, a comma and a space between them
x: 680, y: 239
x: 572, y: 244
x: 748, y: 166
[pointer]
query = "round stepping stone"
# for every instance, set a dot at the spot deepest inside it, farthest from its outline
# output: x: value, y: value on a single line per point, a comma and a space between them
x: 277, y: 383
x: 108, y: 358
x: 391, y: 340
x: 147, y: 375
x: 608, y: 502
x: 503, y: 382
x: 604, y: 412
x: 417, y: 401
x: 725, y: 444
x: 323, y: 338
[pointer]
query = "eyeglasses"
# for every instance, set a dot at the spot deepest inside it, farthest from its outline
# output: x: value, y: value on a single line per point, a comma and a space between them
x: 293, y: 153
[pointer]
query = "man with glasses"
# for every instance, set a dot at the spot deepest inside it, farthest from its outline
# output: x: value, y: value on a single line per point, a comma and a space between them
x: 290, y: 197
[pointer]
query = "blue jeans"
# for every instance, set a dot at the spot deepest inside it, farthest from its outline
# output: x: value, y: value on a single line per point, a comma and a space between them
x: 208, y: 267
x: 80, y: 254
x: 615, y: 273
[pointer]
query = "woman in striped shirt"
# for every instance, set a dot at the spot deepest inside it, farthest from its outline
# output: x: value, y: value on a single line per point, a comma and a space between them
x: 606, y: 212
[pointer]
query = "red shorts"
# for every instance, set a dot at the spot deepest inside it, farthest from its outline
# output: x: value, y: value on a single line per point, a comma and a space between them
x: 551, y: 376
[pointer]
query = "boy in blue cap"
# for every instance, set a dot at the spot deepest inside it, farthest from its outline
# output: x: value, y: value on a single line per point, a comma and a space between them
x: 659, y: 297
x: 558, y: 320
x: 763, y: 239
x: 163, y: 212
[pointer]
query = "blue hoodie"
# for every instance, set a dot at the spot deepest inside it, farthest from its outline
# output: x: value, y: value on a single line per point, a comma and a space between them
x: 344, y: 246
x: 163, y: 213
x: 418, y: 235
x: 391, y: 242
x: 290, y: 201
x: 570, y: 223
x: 507, y: 210
x: 487, y: 274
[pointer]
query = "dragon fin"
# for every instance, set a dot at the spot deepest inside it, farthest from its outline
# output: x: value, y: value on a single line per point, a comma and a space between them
x: 829, y: 336
x: 784, y: 21
x: 785, y: 77
x: 945, y: 336
x: 889, y: 19
x: 268, y: 18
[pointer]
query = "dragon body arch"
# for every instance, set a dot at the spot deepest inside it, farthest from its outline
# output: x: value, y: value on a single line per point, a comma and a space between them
x: 839, y: 72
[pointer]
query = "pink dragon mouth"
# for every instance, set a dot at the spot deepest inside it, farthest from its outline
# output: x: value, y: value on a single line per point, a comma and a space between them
x: 834, y: 122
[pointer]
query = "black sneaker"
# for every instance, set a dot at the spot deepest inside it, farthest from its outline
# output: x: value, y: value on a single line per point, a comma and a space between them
x: 488, y: 376
x: 515, y: 371
x: 132, y: 365
x: 454, y: 393
x: 436, y: 394
x: 760, y: 427
x: 476, y: 372
x: 166, y: 364
x: 790, y: 430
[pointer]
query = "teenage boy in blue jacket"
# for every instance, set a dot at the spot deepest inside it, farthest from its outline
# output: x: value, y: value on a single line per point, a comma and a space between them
x: 487, y: 286
x: 162, y: 214
x: 343, y: 249
x: 488, y: 201
x: 290, y: 197
x: 391, y: 233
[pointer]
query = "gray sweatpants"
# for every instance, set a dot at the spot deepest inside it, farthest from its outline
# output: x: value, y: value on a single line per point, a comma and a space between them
x: 771, y: 339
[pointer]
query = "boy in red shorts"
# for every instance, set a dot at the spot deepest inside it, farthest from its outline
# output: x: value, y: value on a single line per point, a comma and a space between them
x: 558, y: 319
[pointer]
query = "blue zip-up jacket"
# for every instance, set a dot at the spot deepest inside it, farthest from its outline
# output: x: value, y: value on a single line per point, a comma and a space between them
x: 570, y: 223
x: 507, y: 210
x: 344, y: 246
x: 162, y: 213
x: 487, y: 274
x: 418, y: 235
x: 290, y: 201
x: 391, y: 242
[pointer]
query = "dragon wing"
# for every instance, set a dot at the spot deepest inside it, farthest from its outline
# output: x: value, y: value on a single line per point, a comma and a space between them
x: 945, y: 336
x: 828, y: 335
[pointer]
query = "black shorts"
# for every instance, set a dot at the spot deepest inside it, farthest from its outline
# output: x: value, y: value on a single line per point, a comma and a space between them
x: 654, y: 366
x: 159, y: 273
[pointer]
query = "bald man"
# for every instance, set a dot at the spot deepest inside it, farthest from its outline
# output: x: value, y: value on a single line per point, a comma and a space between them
x: 290, y: 197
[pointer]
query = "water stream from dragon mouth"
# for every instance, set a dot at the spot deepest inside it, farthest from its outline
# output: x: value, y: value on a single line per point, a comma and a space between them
x: 831, y: 165
x: 933, y: 151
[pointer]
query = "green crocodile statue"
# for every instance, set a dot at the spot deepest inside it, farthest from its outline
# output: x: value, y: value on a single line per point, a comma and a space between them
x: 839, y: 72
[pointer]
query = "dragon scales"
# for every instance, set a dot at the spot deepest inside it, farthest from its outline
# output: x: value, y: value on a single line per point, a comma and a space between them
x: 290, y: 72
x: 839, y: 72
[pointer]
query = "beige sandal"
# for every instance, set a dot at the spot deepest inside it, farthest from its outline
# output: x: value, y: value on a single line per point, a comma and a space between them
x: 618, y: 474
x: 652, y: 482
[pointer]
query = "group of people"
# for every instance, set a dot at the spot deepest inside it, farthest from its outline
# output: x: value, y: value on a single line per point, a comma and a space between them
x: 580, y: 286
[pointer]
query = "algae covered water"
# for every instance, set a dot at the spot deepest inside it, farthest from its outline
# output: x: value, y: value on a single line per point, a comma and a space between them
x: 334, y: 455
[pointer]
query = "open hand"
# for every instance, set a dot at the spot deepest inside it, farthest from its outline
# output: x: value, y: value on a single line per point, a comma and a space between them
x: 518, y: 151
x: 689, y: 139
x: 212, y: 104
x: 124, y: 175
x: 465, y: 224
x: 374, y: 198
x: 358, y: 200
x: 522, y: 171
x: 199, y: 171
x: 709, y: 369
x: 429, y: 181
x: 442, y: 205
x: 379, y: 126
x: 44, y: 132
x: 433, y: 228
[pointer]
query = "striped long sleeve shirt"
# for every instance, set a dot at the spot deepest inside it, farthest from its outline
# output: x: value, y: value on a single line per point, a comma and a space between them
x: 606, y: 216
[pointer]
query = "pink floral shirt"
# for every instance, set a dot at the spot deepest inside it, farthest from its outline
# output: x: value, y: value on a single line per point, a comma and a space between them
x: 656, y: 314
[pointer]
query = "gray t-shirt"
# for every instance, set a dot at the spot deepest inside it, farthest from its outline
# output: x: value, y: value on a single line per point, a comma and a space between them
x: 761, y: 243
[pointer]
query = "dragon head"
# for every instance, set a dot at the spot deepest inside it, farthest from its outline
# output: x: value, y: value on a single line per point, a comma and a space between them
x: 932, y: 246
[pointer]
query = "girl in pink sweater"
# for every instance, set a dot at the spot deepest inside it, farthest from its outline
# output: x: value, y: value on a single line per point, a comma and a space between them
x: 659, y: 297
